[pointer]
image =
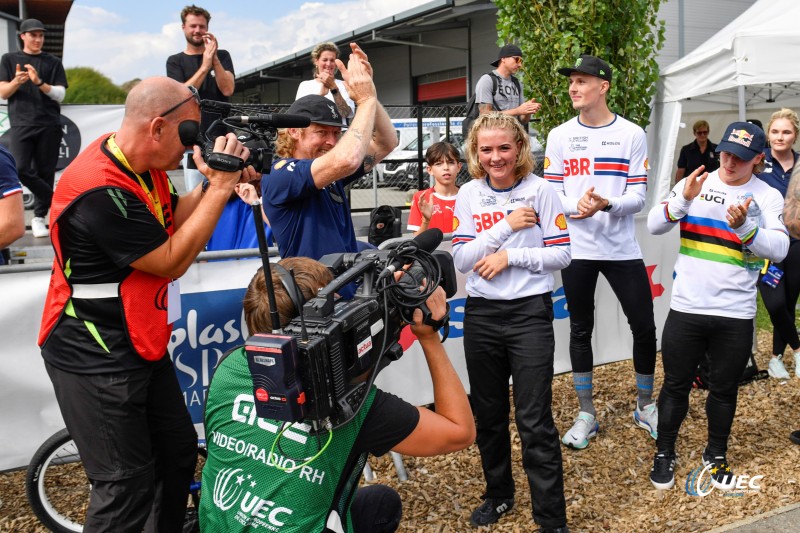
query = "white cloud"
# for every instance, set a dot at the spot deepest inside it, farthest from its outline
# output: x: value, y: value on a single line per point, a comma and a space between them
x: 96, y: 37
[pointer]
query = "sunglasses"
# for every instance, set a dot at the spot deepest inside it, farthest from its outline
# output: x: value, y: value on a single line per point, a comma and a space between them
x: 194, y: 95
x: 702, y: 132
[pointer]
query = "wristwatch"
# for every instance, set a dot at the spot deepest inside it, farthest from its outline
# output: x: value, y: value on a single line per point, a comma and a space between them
x: 41, y: 82
x: 608, y: 207
x: 334, y: 91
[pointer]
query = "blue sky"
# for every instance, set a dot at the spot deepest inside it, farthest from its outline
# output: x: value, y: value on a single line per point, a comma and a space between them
x: 132, y: 39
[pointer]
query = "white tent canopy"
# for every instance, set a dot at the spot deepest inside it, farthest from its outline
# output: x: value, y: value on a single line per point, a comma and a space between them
x: 751, y: 64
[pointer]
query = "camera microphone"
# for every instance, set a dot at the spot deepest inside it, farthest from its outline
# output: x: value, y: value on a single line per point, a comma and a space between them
x: 215, y: 105
x: 276, y: 120
x: 428, y: 240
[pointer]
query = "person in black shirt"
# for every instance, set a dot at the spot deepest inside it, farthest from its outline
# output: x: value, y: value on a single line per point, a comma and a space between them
x: 390, y: 423
x: 698, y: 152
x: 34, y: 83
x: 121, y: 236
x: 203, y: 65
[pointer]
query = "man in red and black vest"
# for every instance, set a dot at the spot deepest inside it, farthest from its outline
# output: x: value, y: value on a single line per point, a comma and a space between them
x: 121, y: 236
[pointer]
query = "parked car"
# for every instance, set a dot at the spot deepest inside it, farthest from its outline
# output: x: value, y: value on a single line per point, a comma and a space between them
x: 407, y: 179
x: 401, y: 171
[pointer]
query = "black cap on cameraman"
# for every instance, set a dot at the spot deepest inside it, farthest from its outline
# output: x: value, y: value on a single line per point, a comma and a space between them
x: 31, y: 25
x: 591, y: 65
x: 318, y: 108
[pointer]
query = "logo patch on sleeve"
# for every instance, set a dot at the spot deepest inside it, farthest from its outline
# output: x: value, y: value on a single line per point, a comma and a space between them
x: 561, y: 222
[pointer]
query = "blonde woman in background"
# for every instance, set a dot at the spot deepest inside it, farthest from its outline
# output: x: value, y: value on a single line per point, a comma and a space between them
x: 780, y: 158
x: 323, y: 57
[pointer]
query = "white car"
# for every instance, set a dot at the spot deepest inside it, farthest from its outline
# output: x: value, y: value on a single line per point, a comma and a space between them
x: 402, y: 173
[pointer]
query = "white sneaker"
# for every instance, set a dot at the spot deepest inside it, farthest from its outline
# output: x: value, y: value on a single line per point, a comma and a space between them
x: 797, y: 364
x: 584, y: 428
x: 777, y: 370
x: 39, y: 227
x: 647, y: 418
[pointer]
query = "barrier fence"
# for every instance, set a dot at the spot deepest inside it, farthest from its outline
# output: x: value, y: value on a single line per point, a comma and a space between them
x: 213, y: 322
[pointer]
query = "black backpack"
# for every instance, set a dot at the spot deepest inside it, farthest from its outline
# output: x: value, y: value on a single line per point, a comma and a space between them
x: 384, y: 223
x: 751, y: 373
x: 472, y: 105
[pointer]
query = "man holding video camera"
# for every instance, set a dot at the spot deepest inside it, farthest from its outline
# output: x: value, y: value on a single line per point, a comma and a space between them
x: 121, y: 236
x: 251, y: 482
x: 304, y: 197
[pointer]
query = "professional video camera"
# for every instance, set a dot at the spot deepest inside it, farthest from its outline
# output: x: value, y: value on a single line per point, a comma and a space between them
x: 257, y: 131
x: 320, y: 367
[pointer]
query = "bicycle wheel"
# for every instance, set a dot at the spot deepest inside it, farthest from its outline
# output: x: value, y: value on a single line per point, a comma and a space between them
x: 57, y: 486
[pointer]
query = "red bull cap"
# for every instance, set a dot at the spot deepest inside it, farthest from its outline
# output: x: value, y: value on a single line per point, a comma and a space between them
x: 743, y: 139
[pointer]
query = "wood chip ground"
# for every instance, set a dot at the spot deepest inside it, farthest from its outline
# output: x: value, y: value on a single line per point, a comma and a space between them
x: 606, y: 485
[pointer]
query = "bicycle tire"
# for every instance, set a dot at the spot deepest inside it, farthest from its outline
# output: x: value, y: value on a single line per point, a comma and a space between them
x: 56, y: 484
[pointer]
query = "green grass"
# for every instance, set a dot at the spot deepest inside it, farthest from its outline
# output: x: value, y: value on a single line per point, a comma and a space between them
x: 762, y: 317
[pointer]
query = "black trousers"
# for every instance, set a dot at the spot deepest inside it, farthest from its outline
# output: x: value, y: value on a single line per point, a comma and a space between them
x: 35, y: 149
x: 514, y: 338
x: 781, y: 300
x: 631, y: 285
x: 687, y: 338
x: 137, y: 444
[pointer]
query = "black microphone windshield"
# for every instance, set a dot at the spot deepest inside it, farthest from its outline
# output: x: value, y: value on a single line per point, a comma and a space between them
x: 429, y: 239
x: 276, y: 120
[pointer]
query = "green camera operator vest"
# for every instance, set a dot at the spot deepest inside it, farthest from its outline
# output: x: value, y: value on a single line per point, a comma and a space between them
x: 250, y: 486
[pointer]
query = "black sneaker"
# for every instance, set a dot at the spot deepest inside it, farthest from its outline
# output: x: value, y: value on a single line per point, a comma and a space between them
x: 795, y: 436
x: 563, y: 529
x: 721, y: 474
x: 490, y: 511
x: 662, y: 476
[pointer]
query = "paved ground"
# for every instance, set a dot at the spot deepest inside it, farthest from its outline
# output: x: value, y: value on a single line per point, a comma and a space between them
x: 784, y: 520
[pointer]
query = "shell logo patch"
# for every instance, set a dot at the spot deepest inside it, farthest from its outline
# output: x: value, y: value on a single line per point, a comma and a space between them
x: 455, y: 223
x: 546, y: 162
x: 561, y: 222
x: 279, y: 164
x: 647, y: 164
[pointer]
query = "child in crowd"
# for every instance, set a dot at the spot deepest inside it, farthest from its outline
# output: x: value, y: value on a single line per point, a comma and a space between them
x: 433, y: 208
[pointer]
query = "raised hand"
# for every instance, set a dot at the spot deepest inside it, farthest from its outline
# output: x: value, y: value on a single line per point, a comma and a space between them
x: 694, y: 183
x: 737, y: 213
x: 357, y: 75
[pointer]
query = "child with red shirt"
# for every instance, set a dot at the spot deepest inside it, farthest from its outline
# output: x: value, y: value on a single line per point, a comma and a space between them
x: 433, y: 208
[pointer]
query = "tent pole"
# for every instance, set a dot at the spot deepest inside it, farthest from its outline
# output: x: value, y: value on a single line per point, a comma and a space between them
x: 740, y: 89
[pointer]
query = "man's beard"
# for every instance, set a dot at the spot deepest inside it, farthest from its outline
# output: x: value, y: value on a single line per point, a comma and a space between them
x: 199, y: 42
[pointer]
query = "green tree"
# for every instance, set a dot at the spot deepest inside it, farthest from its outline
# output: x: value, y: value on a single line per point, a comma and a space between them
x: 553, y: 33
x: 87, y: 86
